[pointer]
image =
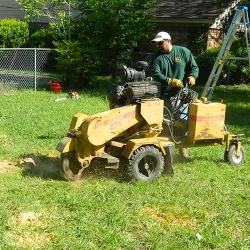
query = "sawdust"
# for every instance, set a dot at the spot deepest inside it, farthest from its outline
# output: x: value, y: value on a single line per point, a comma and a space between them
x: 25, y: 218
x: 7, y: 166
x: 28, y: 240
x: 25, y: 231
x: 172, y: 218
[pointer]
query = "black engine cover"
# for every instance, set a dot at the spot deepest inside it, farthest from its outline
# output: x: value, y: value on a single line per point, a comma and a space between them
x: 133, y: 92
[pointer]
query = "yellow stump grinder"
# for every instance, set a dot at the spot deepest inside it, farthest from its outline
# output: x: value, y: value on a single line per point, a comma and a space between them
x: 139, y: 130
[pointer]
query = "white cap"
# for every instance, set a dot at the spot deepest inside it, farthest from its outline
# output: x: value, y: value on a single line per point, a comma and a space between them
x: 161, y: 36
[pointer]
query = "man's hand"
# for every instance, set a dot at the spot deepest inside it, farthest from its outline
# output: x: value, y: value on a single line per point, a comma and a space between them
x: 191, y: 81
x: 175, y: 82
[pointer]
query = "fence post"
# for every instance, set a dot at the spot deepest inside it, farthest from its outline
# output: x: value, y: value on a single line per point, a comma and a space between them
x: 35, y: 75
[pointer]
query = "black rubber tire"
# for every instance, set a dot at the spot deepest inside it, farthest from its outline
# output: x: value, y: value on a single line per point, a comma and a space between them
x: 70, y: 166
x: 146, y: 164
x: 231, y: 157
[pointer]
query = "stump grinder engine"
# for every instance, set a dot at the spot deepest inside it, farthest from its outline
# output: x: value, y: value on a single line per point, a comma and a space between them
x: 137, y: 131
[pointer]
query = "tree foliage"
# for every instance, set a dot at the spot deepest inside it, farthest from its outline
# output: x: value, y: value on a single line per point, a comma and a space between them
x: 13, y: 33
x: 76, y: 65
x: 106, y: 32
x: 42, y: 38
x: 114, y: 26
x: 58, y: 13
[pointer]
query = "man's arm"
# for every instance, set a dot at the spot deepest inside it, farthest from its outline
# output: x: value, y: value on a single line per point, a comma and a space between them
x: 156, y: 71
x: 193, y: 69
x: 164, y: 80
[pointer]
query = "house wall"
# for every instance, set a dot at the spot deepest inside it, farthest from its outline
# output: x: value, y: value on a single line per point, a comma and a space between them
x: 181, y: 34
x: 215, y: 38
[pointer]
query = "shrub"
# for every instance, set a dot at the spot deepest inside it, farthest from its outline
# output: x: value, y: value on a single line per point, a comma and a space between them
x: 205, y: 62
x: 234, y: 71
x: 76, y: 64
x: 42, y: 38
x: 239, y: 69
x: 13, y: 33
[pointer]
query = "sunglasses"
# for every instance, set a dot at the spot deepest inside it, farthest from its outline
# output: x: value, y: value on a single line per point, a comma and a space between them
x: 159, y: 43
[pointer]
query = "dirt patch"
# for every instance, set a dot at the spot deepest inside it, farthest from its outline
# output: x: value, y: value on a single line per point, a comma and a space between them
x: 170, y: 217
x: 7, y: 166
x: 25, y: 218
x: 25, y: 231
x: 43, y: 166
x: 37, y: 166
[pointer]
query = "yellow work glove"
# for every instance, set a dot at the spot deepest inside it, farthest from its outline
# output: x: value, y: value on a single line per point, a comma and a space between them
x: 191, y: 81
x: 175, y: 82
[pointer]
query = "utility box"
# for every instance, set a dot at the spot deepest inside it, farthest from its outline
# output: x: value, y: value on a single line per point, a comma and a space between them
x: 206, y: 121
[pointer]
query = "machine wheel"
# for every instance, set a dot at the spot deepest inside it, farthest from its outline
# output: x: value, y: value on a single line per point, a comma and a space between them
x: 71, y: 167
x: 231, y: 157
x: 146, y: 163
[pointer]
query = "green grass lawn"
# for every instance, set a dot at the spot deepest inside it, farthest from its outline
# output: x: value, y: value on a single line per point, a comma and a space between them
x: 34, y: 122
x: 205, y: 205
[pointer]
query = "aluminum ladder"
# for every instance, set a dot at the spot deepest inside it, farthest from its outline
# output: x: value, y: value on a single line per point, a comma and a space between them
x: 240, y: 21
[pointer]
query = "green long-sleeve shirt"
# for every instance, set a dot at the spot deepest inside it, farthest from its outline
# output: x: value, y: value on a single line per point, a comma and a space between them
x: 179, y: 63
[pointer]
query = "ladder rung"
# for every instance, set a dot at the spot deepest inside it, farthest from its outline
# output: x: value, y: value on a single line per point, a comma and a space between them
x: 243, y: 23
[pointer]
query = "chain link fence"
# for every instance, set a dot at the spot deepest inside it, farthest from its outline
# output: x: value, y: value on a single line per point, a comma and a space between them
x: 31, y: 68
x: 34, y: 68
x: 26, y: 68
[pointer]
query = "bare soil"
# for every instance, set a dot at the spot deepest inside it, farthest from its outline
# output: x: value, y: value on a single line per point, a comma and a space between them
x: 7, y: 166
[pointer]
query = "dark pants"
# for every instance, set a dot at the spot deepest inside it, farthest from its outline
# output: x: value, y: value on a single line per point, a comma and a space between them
x: 175, y: 111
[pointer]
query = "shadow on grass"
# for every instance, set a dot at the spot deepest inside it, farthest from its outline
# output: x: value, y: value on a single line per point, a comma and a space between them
x: 97, y: 170
x: 50, y: 168
x: 194, y: 159
x: 46, y: 167
x: 41, y: 166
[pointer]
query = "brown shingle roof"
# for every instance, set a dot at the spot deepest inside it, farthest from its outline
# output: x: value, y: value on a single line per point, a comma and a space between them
x: 11, y: 9
x: 164, y: 9
x: 191, y: 9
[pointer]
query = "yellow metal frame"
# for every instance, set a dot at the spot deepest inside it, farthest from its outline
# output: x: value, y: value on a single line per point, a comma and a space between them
x: 132, y: 145
x: 88, y: 136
